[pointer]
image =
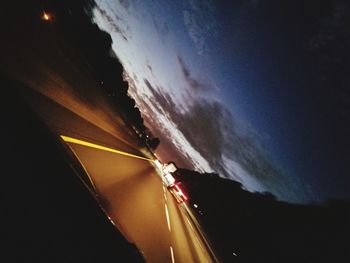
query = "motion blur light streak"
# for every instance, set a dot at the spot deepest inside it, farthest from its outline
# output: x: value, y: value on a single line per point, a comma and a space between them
x: 89, y: 144
x: 167, y: 217
x: 188, y: 221
x: 172, y: 254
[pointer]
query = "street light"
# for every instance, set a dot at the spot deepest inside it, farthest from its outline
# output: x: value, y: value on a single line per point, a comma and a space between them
x: 46, y: 16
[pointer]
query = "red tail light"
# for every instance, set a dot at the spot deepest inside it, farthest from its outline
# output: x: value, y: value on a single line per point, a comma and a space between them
x: 180, y: 192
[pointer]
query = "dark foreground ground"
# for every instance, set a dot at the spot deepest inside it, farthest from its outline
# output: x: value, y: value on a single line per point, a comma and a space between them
x: 47, y: 214
x: 252, y: 227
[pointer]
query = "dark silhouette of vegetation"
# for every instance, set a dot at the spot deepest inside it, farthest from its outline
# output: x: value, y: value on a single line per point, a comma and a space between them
x: 74, y: 23
x: 256, y: 227
x: 153, y: 143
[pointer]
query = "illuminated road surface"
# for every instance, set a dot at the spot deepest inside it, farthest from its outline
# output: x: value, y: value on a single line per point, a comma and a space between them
x: 144, y: 210
x: 129, y: 187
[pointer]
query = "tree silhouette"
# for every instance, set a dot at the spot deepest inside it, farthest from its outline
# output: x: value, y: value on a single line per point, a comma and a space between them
x: 153, y: 143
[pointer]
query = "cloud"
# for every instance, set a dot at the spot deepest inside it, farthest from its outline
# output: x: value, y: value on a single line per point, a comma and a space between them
x: 200, y: 23
x: 111, y: 22
x: 149, y: 67
x: 125, y: 4
x: 165, y: 105
x: 162, y: 28
x: 217, y: 136
x: 211, y: 130
x: 194, y: 84
x: 165, y: 114
x: 210, y: 127
x: 206, y: 137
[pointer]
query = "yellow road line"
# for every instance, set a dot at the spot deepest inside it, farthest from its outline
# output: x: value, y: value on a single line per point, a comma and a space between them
x: 96, y: 146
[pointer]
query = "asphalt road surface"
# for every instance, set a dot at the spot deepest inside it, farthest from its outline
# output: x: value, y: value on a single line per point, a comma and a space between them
x: 142, y: 208
x: 129, y: 189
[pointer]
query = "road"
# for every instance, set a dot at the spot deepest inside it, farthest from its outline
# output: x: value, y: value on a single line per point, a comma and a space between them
x: 130, y: 189
x: 142, y: 208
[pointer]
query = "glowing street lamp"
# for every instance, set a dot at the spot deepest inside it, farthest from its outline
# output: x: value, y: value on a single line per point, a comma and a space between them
x: 46, y: 16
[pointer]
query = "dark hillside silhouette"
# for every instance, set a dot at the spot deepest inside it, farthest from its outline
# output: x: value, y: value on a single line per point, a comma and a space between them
x: 259, y: 228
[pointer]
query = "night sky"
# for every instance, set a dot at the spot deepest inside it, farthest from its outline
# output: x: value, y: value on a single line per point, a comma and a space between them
x: 257, y: 91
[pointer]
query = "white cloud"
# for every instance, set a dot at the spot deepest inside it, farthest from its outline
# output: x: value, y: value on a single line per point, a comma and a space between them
x: 200, y: 23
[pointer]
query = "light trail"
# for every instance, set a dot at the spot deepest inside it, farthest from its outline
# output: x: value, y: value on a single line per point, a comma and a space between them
x: 167, y: 217
x: 200, y: 233
x: 172, y: 254
x: 188, y: 221
x: 96, y: 146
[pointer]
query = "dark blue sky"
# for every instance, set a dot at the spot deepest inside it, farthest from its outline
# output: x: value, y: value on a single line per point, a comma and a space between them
x: 265, y: 67
x: 280, y: 83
